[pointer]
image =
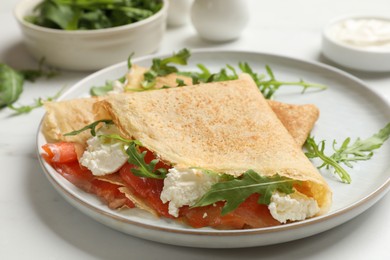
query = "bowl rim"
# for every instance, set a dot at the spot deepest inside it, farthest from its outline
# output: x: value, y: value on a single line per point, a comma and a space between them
x: 357, y: 16
x: 19, y: 14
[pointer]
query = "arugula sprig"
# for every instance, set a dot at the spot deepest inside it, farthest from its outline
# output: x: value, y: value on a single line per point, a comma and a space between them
x: 267, y: 86
x: 12, y: 84
x: 162, y: 67
x: 91, y: 14
x: 270, y: 86
x: 144, y: 169
x: 132, y: 149
x: 236, y: 191
x: 109, y: 86
x: 24, y: 109
x: 347, y: 153
x: 91, y: 127
x: 159, y: 68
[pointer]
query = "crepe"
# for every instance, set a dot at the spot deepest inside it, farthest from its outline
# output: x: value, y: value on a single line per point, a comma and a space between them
x: 226, y: 127
x: 297, y: 119
x: 66, y: 116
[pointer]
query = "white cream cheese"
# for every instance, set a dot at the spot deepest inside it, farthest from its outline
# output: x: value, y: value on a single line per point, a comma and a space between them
x: 371, y: 34
x: 185, y: 187
x: 104, y: 157
x: 294, y: 207
x: 117, y: 87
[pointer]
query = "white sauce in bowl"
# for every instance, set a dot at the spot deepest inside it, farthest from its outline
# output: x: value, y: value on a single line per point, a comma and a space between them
x: 365, y: 33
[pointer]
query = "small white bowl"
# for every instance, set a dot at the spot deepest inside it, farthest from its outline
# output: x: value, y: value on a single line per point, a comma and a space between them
x: 356, y: 55
x: 88, y: 50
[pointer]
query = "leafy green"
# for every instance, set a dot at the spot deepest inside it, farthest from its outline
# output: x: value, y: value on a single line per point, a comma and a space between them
x: 315, y: 150
x: 91, y: 127
x: 12, y: 81
x: 109, y: 86
x: 270, y: 86
x: 348, y: 152
x: 144, y: 169
x: 103, y: 90
x: 162, y: 67
x: 136, y: 157
x: 236, y: 191
x: 11, y: 85
x: 37, y: 103
x: 91, y: 14
x: 267, y: 87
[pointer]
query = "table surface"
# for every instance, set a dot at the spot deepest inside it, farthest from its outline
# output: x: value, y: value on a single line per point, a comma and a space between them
x: 36, y: 222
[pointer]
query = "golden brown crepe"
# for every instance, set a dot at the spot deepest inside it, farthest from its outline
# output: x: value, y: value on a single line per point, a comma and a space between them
x: 297, y: 119
x: 66, y: 116
x: 225, y: 127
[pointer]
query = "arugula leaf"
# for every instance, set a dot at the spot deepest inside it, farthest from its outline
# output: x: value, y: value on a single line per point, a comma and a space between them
x: 38, y: 103
x: 315, y: 150
x: 360, y: 150
x: 137, y: 158
x: 91, y: 14
x: 11, y: 85
x: 144, y: 169
x: 109, y: 86
x: 161, y: 67
x: 236, y: 191
x: 267, y: 87
x: 91, y: 127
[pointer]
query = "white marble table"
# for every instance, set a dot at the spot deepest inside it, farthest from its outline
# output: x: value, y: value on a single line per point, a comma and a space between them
x: 37, y: 223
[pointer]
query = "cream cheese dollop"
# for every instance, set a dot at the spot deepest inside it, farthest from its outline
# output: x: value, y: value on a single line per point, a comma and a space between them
x: 292, y: 207
x: 104, y: 156
x: 185, y: 187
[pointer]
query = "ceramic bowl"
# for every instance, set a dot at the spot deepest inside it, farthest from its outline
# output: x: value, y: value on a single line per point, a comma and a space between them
x: 86, y: 50
x: 365, y: 52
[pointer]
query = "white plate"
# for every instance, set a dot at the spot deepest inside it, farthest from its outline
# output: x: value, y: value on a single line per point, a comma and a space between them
x: 348, y: 108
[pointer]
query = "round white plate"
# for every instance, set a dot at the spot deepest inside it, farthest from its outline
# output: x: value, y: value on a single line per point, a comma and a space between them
x: 348, y: 109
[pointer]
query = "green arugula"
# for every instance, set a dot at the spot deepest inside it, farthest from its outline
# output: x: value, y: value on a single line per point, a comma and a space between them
x: 109, y: 86
x: 360, y: 150
x: 236, y: 191
x: 91, y: 14
x: 144, y: 169
x: 12, y: 82
x: 267, y: 87
x: 11, y: 85
x: 162, y: 67
x: 137, y: 158
x: 91, y: 127
x: 37, y: 103
x: 270, y: 86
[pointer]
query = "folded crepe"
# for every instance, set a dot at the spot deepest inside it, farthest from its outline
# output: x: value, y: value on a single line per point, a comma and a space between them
x: 227, y: 127
x: 66, y: 116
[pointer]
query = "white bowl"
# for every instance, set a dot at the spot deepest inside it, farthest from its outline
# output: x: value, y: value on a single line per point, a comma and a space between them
x: 90, y: 49
x: 362, y: 54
